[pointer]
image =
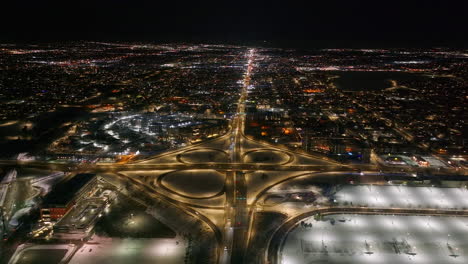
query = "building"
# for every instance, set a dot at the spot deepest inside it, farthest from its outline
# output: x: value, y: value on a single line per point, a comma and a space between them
x: 65, y: 195
x: 342, y: 149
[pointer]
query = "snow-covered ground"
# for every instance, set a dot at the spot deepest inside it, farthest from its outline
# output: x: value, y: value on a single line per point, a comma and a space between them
x: 130, y: 251
x: 379, y: 239
x: 29, y: 253
x: 403, y: 196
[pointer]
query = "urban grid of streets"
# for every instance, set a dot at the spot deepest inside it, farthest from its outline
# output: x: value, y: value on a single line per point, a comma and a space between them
x: 234, y: 234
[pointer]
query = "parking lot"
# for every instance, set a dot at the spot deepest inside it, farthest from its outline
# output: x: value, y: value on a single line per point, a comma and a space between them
x: 378, y: 239
x: 129, y: 251
x: 402, y: 196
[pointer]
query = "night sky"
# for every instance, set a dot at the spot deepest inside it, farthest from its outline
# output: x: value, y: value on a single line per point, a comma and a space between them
x: 279, y: 23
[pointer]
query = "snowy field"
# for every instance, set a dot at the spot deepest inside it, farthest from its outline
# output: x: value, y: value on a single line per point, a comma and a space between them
x: 130, y: 251
x: 378, y: 239
x: 403, y: 196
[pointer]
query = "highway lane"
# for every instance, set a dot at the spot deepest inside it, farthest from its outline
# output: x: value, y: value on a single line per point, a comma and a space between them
x: 225, y: 166
x: 239, y: 215
x: 229, y: 215
x: 179, y: 166
x: 241, y: 220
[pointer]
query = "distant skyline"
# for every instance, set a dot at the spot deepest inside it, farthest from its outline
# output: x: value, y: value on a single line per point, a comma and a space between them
x: 275, y: 23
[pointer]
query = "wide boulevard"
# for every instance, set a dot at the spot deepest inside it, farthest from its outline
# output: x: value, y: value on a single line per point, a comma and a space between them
x: 229, y: 212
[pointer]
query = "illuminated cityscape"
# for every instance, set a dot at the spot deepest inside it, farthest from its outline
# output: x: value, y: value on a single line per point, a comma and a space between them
x: 138, y: 132
x: 232, y: 154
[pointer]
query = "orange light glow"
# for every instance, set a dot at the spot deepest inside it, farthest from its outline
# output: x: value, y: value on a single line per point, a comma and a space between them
x: 313, y: 91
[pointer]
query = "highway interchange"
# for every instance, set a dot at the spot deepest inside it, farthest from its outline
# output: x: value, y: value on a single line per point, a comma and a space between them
x: 230, y: 212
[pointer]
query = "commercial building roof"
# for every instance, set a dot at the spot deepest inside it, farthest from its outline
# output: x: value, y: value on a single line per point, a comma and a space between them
x: 63, y: 193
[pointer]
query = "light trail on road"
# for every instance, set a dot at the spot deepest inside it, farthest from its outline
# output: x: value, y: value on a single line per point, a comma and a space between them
x: 236, y: 189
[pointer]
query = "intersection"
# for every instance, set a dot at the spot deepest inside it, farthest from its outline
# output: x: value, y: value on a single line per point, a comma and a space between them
x: 229, y: 205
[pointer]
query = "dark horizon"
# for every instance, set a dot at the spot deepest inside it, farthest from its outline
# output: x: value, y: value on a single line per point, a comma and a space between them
x: 299, y: 134
x: 291, y: 25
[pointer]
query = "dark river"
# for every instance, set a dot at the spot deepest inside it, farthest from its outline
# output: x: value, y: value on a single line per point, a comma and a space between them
x: 367, y: 81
